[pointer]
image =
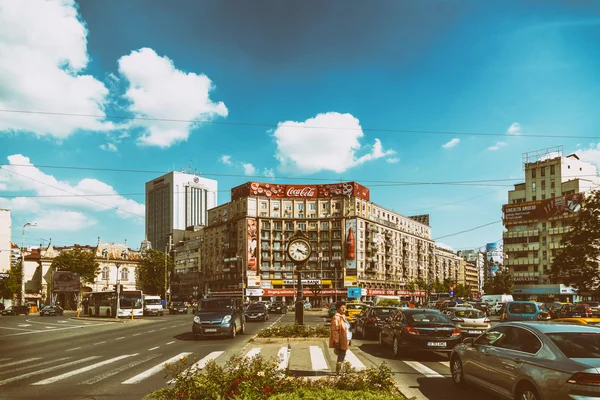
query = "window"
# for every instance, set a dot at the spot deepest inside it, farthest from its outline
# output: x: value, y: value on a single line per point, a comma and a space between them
x: 543, y: 185
x: 533, y: 175
x: 533, y: 198
x: 577, y: 344
x: 301, y: 226
x: 552, y: 184
x: 312, y: 206
x: 543, y: 197
x: 521, y: 340
x: 543, y: 171
x: 324, y: 225
x: 492, y: 337
x: 263, y: 205
x: 552, y: 170
x: 544, y: 253
x: 124, y: 274
x: 300, y: 207
x: 533, y: 186
x: 105, y: 273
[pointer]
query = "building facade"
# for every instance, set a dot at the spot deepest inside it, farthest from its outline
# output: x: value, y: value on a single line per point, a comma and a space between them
x: 476, y: 260
x: 5, y: 240
x: 176, y: 201
x: 538, y: 213
x: 188, y: 281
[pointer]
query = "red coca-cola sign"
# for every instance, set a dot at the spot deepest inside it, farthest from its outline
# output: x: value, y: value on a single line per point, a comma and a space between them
x: 301, y: 191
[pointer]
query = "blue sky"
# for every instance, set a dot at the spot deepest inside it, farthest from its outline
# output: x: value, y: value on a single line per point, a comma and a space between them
x: 312, y: 90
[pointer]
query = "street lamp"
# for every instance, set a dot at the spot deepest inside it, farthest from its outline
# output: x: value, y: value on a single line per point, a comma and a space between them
x: 23, y: 260
x: 119, y: 293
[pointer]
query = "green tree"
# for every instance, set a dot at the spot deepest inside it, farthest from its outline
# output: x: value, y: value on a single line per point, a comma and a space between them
x: 150, y: 272
x: 501, y: 283
x: 11, y: 286
x: 410, y: 286
x: 463, y: 291
x: 79, y: 261
x: 577, y: 263
x: 420, y: 283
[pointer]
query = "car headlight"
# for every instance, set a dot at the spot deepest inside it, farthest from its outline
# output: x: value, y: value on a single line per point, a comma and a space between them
x: 197, y: 319
x: 226, y: 319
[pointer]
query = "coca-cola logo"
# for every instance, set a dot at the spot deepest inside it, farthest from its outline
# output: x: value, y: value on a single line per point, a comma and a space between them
x: 306, y: 191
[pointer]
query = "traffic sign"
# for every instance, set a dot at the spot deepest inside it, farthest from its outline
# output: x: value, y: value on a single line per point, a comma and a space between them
x: 452, y: 293
x: 353, y: 292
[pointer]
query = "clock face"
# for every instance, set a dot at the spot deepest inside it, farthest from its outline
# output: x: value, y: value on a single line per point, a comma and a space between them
x: 299, y: 250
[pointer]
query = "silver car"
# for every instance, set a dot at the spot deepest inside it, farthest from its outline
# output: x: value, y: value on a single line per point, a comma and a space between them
x: 471, y: 321
x: 532, y: 361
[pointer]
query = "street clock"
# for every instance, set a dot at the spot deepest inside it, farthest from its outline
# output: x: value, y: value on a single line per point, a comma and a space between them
x: 299, y: 249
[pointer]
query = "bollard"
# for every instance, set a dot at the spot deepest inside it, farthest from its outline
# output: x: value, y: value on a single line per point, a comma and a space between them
x: 78, y: 312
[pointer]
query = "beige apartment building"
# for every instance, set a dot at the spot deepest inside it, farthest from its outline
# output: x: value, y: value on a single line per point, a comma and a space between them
x: 539, y: 211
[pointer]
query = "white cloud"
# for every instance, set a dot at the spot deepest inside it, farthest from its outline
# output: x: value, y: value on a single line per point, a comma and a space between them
x: 58, y: 220
x: 497, y: 146
x: 444, y: 246
x: 393, y: 160
x: 159, y: 90
x: 43, y: 49
x: 591, y: 155
x: 514, y: 129
x: 268, y: 172
x: 109, y: 147
x: 451, y: 143
x: 327, y: 142
x: 56, y: 193
x: 249, y: 169
x: 226, y: 160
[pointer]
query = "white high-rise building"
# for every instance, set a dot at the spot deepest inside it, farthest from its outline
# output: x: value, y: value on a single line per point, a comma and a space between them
x: 177, y: 200
x: 5, y: 240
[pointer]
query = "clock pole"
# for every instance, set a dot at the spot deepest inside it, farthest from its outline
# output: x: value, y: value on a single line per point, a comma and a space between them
x: 299, y: 251
x: 299, y: 299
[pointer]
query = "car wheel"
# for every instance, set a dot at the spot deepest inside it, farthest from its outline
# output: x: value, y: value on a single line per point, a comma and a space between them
x: 396, y: 347
x: 381, y: 344
x: 527, y: 392
x: 233, y: 331
x: 457, y: 371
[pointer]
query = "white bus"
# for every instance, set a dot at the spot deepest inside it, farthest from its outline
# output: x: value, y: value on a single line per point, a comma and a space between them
x: 104, y: 304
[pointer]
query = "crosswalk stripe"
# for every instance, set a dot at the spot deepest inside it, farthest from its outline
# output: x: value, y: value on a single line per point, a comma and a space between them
x: 200, y: 364
x: 19, y: 362
x: 5, y: 359
x: 354, y: 361
x: 284, y: 357
x: 445, y: 363
x: 125, y: 367
x: 82, y: 370
x: 154, y: 370
x: 428, y: 372
x: 43, y: 371
x: 252, y: 353
x: 13, y: 370
x: 317, y: 359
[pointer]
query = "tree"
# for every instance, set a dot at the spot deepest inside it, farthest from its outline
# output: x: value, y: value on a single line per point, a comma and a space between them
x: 410, y: 286
x: 577, y: 264
x: 79, y: 261
x: 501, y: 283
x: 11, y: 286
x: 461, y: 290
x: 150, y: 272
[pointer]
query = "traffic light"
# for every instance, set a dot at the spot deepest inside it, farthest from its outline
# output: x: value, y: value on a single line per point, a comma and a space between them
x: 120, y: 288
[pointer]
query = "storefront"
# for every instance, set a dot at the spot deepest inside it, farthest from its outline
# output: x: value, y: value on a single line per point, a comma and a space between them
x: 546, y: 293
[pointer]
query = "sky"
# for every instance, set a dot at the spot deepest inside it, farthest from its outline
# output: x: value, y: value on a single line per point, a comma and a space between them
x: 430, y: 104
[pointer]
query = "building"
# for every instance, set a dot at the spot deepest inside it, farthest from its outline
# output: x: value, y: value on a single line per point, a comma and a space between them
x: 539, y: 211
x: 5, y: 240
x: 468, y: 275
x: 446, y: 266
x: 176, y: 201
x: 188, y: 280
x: 476, y: 259
x: 355, y: 242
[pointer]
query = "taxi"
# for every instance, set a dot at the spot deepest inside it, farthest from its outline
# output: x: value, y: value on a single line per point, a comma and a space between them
x: 582, y: 321
x: 353, y: 309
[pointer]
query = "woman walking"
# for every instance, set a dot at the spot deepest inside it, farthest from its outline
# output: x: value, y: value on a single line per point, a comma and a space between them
x: 339, y: 334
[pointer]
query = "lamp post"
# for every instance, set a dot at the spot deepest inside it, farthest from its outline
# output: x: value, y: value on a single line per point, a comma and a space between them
x: 118, y: 292
x: 23, y: 260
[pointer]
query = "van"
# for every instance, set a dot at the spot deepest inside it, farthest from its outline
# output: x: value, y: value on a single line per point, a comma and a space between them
x: 521, y: 311
x: 153, y: 305
x: 492, y: 299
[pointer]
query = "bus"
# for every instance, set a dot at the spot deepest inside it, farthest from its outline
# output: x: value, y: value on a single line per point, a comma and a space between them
x: 439, y: 296
x: 104, y: 304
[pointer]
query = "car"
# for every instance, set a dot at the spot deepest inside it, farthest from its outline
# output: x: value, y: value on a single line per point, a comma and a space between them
x: 353, y: 309
x: 579, y: 310
x: 220, y: 316
x: 15, y: 310
x: 523, y: 311
x: 278, y: 307
x: 472, y: 322
x: 531, y: 360
x: 370, y: 320
x: 495, y: 308
x: 257, y: 312
x: 178, y: 307
x: 2, y: 307
x: 583, y: 321
x: 51, y: 310
x: 420, y: 330
x: 595, y: 306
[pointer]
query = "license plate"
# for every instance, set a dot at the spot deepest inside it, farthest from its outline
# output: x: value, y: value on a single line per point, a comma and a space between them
x: 436, y: 344
x: 210, y: 330
x: 473, y: 331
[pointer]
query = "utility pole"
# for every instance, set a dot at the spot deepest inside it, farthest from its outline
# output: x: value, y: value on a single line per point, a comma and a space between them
x: 23, y: 260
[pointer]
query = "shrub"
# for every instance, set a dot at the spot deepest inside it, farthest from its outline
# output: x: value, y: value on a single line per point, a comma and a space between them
x: 333, y: 394
x: 295, y: 331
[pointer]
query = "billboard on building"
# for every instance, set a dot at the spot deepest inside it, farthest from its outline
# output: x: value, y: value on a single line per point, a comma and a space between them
x: 543, y: 209
x: 495, y: 258
x: 350, y: 244
x: 252, y: 238
x: 300, y: 191
x: 65, y: 281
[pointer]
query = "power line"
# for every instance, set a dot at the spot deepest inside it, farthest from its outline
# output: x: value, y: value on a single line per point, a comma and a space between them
x: 271, y: 125
x: 468, y: 230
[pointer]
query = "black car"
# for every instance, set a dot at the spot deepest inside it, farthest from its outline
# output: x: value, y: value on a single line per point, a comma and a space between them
x: 51, y: 310
x: 15, y: 310
x: 416, y: 329
x: 219, y: 316
x: 278, y: 307
x: 370, y: 320
x: 178, y: 308
x: 257, y: 312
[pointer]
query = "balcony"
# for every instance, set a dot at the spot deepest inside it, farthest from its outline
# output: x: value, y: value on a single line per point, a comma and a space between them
x: 556, y: 246
x: 522, y: 261
x: 513, y: 247
x: 559, y: 231
x: 517, y: 234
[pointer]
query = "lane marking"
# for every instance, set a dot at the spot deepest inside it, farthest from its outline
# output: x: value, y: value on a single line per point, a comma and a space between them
x: 116, y: 371
x: 23, y: 325
x: 153, y: 330
x: 284, y: 357
x: 50, y: 327
x: 81, y: 370
x: 119, y: 338
x: 20, y: 362
x: 154, y: 370
x: 252, y: 353
x: 428, y: 372
x: 354, y: 361
x: 75, y: 348
x: 95, y: 344
x: 154, y: 348
x: 170, y: 342
x: 445, y: 363
x: 13, y: 370
x: 20, y: 329
x: 29, y: 331
x: 43, y: 371
x: 5, y: 359
x: 136, y: 334
x: 317, y: 359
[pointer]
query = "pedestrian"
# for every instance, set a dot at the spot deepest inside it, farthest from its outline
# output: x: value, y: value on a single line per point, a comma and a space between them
x: 340, y: 336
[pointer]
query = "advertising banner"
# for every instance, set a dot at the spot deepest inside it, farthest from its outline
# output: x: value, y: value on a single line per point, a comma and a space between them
x: 304, y: 282
x: 252, y: 243
x: 306, y: 292
x: 543, y: 209
x: 350, y: 245
x: 300, y: 191
x: 495, y: 258
x: 254, y: 281
x: 254, y: 292
x: 65, y: 281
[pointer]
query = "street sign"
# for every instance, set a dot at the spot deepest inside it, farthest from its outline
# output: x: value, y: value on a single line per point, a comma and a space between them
x: 4, y: 276
x: 353, y: 292
x: 452, y: 293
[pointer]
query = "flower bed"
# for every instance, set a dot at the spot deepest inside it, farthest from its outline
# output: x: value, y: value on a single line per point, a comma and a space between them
x: 295, y: 331
x: 257, y: 379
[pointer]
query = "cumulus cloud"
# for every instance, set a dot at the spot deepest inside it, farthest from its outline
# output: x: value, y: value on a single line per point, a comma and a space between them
x: 159, y: 90
x: 514, y: 129
x: 57, y: 220
x: 451, y: 143
x: 43, y: 49
x: 327, y: 142
x: 591, y: 154
x: 22, y: 176
x: 108, y: 147
x: 249, y: 169
x: 392, y: 160
x: 497, y: 146
x: 226, y: 160
x: 269, y: 173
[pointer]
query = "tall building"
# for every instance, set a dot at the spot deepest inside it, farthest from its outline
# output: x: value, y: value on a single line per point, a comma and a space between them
x: 355, y: 242
x: 476, y: 260
x: 176, y: 201
x: 5, y: 240
x: 539, y: 211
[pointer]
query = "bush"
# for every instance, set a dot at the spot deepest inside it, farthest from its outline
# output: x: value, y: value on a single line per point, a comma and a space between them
x: 295, y: 331
x: 333, y: 394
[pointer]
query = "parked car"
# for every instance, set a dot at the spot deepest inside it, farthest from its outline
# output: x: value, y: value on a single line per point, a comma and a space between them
x: 178, y: 307
x: 370, y: 320
x: 576, y: 311
x: 51, y: 310
x: 522, y: 311
x: 471, y: 321
x: 417, y: 329
x: 531, y: 360
x: 15, y: 310
x: 257, y: 312
x: 219, y: 316
x: 278, y: 307
x: 595, y: 306
x: 353, y: 309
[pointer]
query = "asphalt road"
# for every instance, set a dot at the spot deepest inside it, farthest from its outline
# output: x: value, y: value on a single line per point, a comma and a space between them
x: 63, y: 358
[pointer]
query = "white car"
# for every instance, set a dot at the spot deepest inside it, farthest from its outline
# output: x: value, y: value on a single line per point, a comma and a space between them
x: 496, y: 308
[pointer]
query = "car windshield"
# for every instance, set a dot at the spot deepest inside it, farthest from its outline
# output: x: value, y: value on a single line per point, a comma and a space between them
x: 593, y: 303
x: 215, y: 305
x: 256, y: 307
x: 470, y: 314
x: 49, y: 308
x: 152, y: 302
x: 355, y: 306
x: 427, y: 317
x: 384, y: 311
x: 178, y: 304
x: 522, y: 308
x: 577, y: 344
